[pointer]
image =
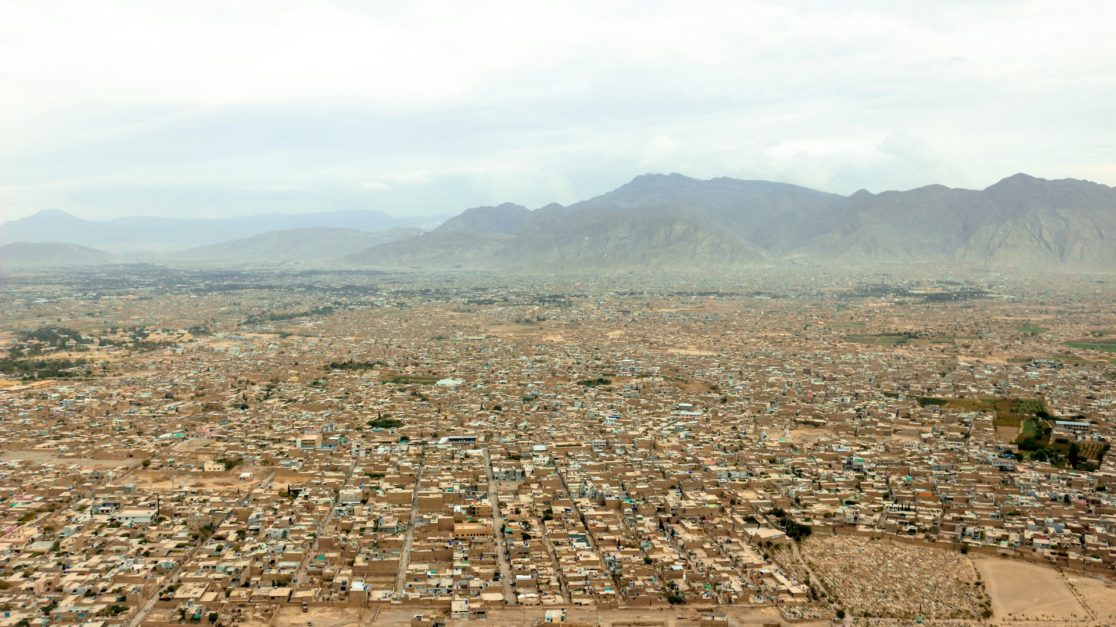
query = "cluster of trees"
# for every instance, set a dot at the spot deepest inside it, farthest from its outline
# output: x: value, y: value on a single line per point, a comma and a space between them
x: 595, y: 382
x: 795, y: 530
x: 385, y: 423
x: 354, y: 365
x: 41, y: 368
x: 291, y: 315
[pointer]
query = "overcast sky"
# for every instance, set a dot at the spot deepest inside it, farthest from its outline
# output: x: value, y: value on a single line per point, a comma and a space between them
x: 415, y: 108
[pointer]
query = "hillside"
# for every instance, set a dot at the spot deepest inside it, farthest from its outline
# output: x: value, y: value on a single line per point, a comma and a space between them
x: 51, y: 254
x: 299, y: 246
x: 672, y: 221
x: 142, y: 234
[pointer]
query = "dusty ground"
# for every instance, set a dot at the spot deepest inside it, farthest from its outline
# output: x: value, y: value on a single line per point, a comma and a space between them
x: 1006, y: 434
x: 43, y: 457
x: 292, y: 616
x: 1098, y: 594
x: 1023, y: 591
x: 687, y: 350
x: 151, y: 480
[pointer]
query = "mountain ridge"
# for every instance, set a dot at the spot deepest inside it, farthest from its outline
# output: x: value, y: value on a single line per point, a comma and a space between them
x: 667, y: 221
x: 671, y: 220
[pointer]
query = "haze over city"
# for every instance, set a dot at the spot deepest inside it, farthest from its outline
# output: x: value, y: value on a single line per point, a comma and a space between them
x: 198, y: 109
x: 614, y: 314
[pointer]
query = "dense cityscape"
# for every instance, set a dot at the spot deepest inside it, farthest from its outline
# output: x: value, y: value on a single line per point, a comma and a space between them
x: 320, y: 447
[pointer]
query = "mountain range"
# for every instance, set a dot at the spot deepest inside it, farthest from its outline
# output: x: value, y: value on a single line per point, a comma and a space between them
x: 154, y: 235
x: 668, y: 221
x: 673, y: 221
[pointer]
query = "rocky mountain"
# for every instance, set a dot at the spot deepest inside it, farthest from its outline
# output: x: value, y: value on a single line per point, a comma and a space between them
x: 307, y: 246
x: 51, y: 254
x: 158, y: 235
x: 673, y: 221
x: 1021, y: 220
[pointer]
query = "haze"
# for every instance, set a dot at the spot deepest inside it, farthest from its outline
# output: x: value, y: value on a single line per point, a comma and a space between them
x: 195, y: 109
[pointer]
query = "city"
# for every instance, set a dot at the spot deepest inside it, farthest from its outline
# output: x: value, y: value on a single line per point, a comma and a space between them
x: 284, y: 448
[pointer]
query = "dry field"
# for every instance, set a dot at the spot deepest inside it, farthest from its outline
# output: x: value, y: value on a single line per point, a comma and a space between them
x: 1031, y: 592
x: 168, y: 480
x: 1098, y: 594
x: 292, y: 616
x: 43, y: 457
x: 687, y: 350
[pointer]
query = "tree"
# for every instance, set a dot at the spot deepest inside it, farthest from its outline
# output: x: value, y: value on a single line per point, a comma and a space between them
x: 1074, y: 455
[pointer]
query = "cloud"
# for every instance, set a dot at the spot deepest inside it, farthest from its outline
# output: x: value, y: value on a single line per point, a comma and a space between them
x: 428, y: 108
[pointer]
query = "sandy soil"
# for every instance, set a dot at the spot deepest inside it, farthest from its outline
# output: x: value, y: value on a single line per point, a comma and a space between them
x: 1006, y: 434
x: 50, y: 458
x: 802, y: 434
x: 193, y: 444
x: 1098, y: 594
x: 328, y: 617
x: 687, y: 350
x: 152, y: 480
x: 292, y: 616
x: 1020, y: 590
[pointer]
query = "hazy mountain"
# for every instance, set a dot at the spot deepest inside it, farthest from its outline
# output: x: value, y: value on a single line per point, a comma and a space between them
x: 46, y: 254
x: 661, y: 222
x: 507, y: 218
x: 302, y: 246
x: 150, y: 234
x: 1021, y: 220
x: 672, y: 221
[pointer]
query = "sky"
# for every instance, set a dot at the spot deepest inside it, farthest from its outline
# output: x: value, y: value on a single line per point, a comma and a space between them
x: 228, y: 107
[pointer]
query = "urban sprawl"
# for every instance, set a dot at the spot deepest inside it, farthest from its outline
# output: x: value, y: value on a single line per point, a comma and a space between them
x: 290, y: 448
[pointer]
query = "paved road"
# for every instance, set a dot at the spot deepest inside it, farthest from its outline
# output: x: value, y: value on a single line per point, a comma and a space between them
x: 405, y: 557
x: 497, y: 525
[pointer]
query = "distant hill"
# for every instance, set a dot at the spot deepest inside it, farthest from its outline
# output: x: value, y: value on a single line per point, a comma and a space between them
x: 676, y: 222
x: 50, y: 254
x: 309, y: 246
x: 1019, y: 221
x: 158, y: 235
x: 658, y: 222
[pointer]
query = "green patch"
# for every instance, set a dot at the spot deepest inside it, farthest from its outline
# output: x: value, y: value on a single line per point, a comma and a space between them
x: 1031, y: 329
x: 595, y: 382
x: 844, y: 325
x: 1008, y: 412
x: 882, y: 339
x: 354, y: 365
x: 1031, y: 429
x: 41, y: 368
x: 1106, y: 347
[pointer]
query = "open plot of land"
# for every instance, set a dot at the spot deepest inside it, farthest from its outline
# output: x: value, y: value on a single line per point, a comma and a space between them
x: 292, y: 616
x: 1098, y: 594
x: 331, y: 617
x: 1024, y: 591
x: 687, y: 350
x: 159, y: 480
x: 881, y: 578
x: 43, y: 457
